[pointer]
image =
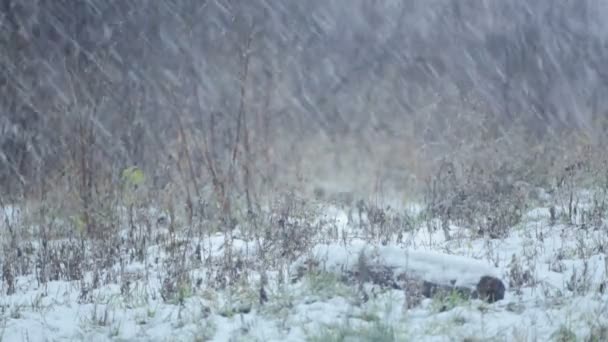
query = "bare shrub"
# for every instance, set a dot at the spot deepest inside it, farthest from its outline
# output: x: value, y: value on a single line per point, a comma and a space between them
x: 291, y: 230
x: 519, y: 274
x: 489, y: 201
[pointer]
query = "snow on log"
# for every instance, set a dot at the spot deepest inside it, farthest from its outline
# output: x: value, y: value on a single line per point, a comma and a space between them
x: 389, y: 264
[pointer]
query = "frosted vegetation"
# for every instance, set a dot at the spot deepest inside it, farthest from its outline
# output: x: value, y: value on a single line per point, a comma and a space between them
x: 346, y: 170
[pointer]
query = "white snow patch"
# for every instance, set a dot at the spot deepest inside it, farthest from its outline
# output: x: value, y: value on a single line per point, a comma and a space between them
x: 428, y: 265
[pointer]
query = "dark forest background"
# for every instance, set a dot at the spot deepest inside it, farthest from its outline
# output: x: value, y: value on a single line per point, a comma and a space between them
x: 241, y: 97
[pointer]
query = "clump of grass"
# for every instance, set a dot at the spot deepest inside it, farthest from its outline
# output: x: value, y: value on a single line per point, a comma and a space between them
x: 280, y: 302
x: 205, y: 330
x: 326, y: 285
x: 564, y: 334
x: 597, y: 334
x: 239, y: 300
x: 448, y: 301
x: 376, y: 332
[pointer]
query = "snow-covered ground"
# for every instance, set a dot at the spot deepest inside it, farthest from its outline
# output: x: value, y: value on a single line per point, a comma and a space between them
x: 556, y: 278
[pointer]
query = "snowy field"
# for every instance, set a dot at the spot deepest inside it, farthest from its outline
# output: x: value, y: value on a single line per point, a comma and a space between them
x: 556, y: 277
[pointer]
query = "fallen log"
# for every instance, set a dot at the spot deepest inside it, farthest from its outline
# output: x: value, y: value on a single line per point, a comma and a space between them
x: 393, y: 267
